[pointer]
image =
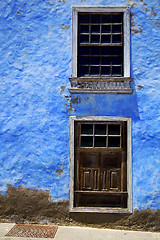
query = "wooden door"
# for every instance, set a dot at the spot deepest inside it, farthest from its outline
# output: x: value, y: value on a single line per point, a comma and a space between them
x: 100, y: 164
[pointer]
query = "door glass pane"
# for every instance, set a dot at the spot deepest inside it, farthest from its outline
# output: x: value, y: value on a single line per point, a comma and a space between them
x: 113, y: 129
x: 86, y: 141
x: 100, y: 142
x: 113, y: 141
x: 86, y: 128
x: 100, y: 129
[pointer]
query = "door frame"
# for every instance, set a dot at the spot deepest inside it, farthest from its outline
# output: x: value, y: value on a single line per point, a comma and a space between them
x: 129, y: 165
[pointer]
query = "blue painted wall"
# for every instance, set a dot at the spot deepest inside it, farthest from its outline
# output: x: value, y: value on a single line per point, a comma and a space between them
x: 35, y: 105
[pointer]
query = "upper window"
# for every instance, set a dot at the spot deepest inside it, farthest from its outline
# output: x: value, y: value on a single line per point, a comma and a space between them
x: 100, y: 50
x: 100, y: 44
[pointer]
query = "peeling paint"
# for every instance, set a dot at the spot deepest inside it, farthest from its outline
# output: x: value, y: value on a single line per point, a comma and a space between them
x: 139, y: 87
x: 62, y: 89
x: 154, y: 14
x: 65, y: 26
x: 59, y: 171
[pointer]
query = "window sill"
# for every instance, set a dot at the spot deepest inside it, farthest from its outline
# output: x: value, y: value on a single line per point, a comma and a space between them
x: 99, y: 210
x: 117, y: 85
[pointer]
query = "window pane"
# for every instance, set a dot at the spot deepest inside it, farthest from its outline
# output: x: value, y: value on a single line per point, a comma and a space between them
x: 84, y: 51
x: 95, y: 51
x: 86, y: 141
x: 116, y: 39
x: 95, y: 38
x: 105, y: 70
x: 113, y: 129
x: 106, y: 28
x: 106, y: 18
x: 84, y: 38
x: 84, y: 28
x: 94, y: 70
x: 95, y: 60
x: 95, y: 29
x: 83, y: 70
x: 86, y: 128
x: 117, y: 18
x: 106, y: 61
x: 113, y: 141
x: 84, y: 18
x: 95, y: 18
x: 116, y: 29
x: 84, y: 60
x: 116, y: 50
x: 106, y: 51
x: 100, y: 142
x: 116, y: 71
x: 100, y: 129
x: 116, y: 61
x: 105, y: 38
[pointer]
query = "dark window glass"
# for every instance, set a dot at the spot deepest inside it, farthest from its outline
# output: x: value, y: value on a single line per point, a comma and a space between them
x: 94, y: 70
x: 95, y: 38
x: 86, y: 141
x: 106, y: 61
x: 113, y: 141
x: 116, y: 50
x: 116, y: 61
x: 116, y: 29
x: 95, y: 18
x: 100, y: 142
x: 116, y: 71
x: 106, y: 28
x: 95, y: 60
x: 113, y: 129
x: 84, y: 60
x: 95, y: 51
x: 84, y: 28
x: 100, y: 129
x: 84, y: 38
x: 116, y: 39
x: 106, y: 51
x: 117, y: 18
x: 83, y: 70
x: 106, y: 18
x: 84, y: 18
x: 95, y: 29
x: 86, y: 129
x: 105, y: 70
x: 105, y: 38
x: 84, y: 51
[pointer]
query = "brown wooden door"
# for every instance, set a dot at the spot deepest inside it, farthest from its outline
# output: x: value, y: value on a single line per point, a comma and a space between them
x: 100, y: 164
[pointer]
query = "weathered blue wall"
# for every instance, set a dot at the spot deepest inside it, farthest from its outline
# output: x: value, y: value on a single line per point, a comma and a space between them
x: 35, y: 105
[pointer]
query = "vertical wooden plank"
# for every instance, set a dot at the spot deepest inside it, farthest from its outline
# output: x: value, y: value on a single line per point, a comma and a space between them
x: 77, y: 171
x: 100, y: 171
x: 124, y: 171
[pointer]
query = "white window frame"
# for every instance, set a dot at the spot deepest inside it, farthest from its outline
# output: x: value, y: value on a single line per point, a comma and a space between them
x: 129, y: 166
x: 126, y: 44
